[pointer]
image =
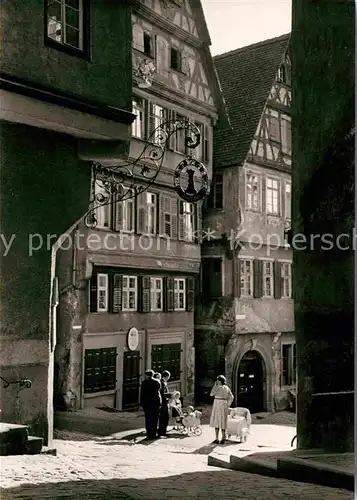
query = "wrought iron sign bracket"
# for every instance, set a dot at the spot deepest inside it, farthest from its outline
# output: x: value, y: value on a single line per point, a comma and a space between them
x: 128, y: 180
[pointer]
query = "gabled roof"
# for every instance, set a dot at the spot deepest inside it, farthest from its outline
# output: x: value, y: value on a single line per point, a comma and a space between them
x: 246, y: 76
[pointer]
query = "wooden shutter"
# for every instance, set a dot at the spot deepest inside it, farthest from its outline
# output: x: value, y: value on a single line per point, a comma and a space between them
x: 174, y: 218
x: 237, y: 276
x: 169, y: 301
x: 93, y: 293
x: 172, y: 141
x: 190, y: 294
x: 141, y: 213
x: 118, y: 214
x: 263, y: 195
x: 198, y: 221
x: 144, y: 294
x: 257, y: 278
x: 181, y: 221
x: 205, y: 144
x: 277, y: 279
x: 117, y: 293
x: 151, y: 121
x: 138, y: 37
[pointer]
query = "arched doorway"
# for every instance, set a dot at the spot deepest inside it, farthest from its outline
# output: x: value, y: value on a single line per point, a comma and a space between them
x: 250, y: 382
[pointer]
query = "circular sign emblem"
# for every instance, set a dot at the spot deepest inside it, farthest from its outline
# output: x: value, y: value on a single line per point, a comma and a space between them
x: 133, y: 339
x: 191, y: 180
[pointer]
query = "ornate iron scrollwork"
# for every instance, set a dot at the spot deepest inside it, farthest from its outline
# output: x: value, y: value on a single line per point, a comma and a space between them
x: 128, y: 180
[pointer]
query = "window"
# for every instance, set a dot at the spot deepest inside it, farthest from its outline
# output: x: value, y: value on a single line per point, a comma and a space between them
x: 202, y: 150
x: 211, y: 278
x: 167, y: 219
x: 167, y: 357
x: 286, y: 280
x: 252, y: 192
x: 156, y: 291
x: 287, y: 200
x: 180, y: 294
x: 130, y: 293
x: 286, y: 135
x: 274, y: 128
x: 246, y: 277
x: 138, y: 125
x: 288, y: 358
x: 179, y: 137
x: 175, y: 59
x: 282, y: 74
x: 273, y: 196
x: 147, y: 213
x: 102, y: 296
x: 268, y: 279
x: 148, y: 44
x: 125, y: 214
x: 65, y: 23
x: 100, y: 369
x: 103, y: 213
x: 157, y: 117
x: 187, y: 221
x: 215, y: 197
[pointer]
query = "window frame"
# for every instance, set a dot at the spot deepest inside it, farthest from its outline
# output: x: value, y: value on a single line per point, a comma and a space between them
x: 155, y: 292
x: 285, y: 278
x: 268, y: 190
x: 179, y: 58
x: 213, y: 190
x: 292, y: 366
x: 104, y: 288
x: 251, y: 276
x: 266, y: 275
x: 287, y: 215
x: 187, y: 218
x: 125, y: 205
x: 138, y: 104
x: 156, y: 120
x: 178, y: 292
x: 127, y: 289
x: 259, y: 178
x: 84, y: 30
x: 103, y: 211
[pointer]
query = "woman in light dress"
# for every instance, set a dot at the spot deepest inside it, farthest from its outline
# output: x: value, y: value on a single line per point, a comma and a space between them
x: 223, y: 399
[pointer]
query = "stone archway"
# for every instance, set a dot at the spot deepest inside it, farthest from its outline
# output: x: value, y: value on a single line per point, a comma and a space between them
x: 254, y: 367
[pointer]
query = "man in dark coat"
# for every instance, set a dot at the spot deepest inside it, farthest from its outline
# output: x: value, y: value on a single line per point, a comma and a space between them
x: 150, y: 401
x: 164, y: 410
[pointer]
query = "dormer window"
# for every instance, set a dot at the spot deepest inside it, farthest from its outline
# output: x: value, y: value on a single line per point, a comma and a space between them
x: 176, y: 59
x: 282, y: 74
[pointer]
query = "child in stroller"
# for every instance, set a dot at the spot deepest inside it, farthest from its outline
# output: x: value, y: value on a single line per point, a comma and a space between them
x: 186, y: 422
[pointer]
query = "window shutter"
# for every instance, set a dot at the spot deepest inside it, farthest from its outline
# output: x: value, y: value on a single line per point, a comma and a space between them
x: 173, y: 218
x: 151, y: 123
x: 138, y: 37
x: 277, y: 280
x: 263, y: 195
x: 119, y: 215
x: 238, y: 291
x: 117, y: 292
x: 144, y: 294
x: 181, y: 221
x: 198, y: 221
x: 257, y: 278
x: 190, y: 294
x: 93, y: 293
x: 162, y: 205
x: 172, y: 141
x: 141, y: 214
x: 205, y: 144
x: 169, y: 294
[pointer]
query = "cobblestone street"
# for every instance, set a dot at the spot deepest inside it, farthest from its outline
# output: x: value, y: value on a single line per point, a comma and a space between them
x: 122, y: 466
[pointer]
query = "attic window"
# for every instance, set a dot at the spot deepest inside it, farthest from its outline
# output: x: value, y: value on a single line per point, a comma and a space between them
x: 282, y: 74
x: 175, y: 59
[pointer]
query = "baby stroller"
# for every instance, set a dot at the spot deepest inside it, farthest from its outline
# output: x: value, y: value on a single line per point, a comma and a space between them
x: 189, y: 422
x: 239, y: 423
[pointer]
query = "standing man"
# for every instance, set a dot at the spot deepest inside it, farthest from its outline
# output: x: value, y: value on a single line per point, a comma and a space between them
x: 164, y: 410
x: 150, y: 401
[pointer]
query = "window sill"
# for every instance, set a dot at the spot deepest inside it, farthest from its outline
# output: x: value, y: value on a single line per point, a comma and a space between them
x: 149, y: 56
x: 88, y: 395
x: 254, y: 210
x: 72, y: 51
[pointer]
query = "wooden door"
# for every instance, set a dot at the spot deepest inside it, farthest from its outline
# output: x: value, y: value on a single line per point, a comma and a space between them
x: 131, y: 380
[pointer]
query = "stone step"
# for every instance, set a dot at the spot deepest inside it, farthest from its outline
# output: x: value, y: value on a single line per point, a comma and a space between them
x: 264, y: 464
x: 339, y: 473
x: 34, y: 445
x: 13, y: 439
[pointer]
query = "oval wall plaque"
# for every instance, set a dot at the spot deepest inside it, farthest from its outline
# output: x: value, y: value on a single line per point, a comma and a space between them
x: 133, y: 339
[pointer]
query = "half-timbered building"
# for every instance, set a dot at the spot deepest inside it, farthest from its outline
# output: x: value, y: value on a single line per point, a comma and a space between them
x: 137, y: 310
x: 244, y: 323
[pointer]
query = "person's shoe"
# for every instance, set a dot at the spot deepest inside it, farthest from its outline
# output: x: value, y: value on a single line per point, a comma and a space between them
x: 223, y: 441
x: 215, y: 441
